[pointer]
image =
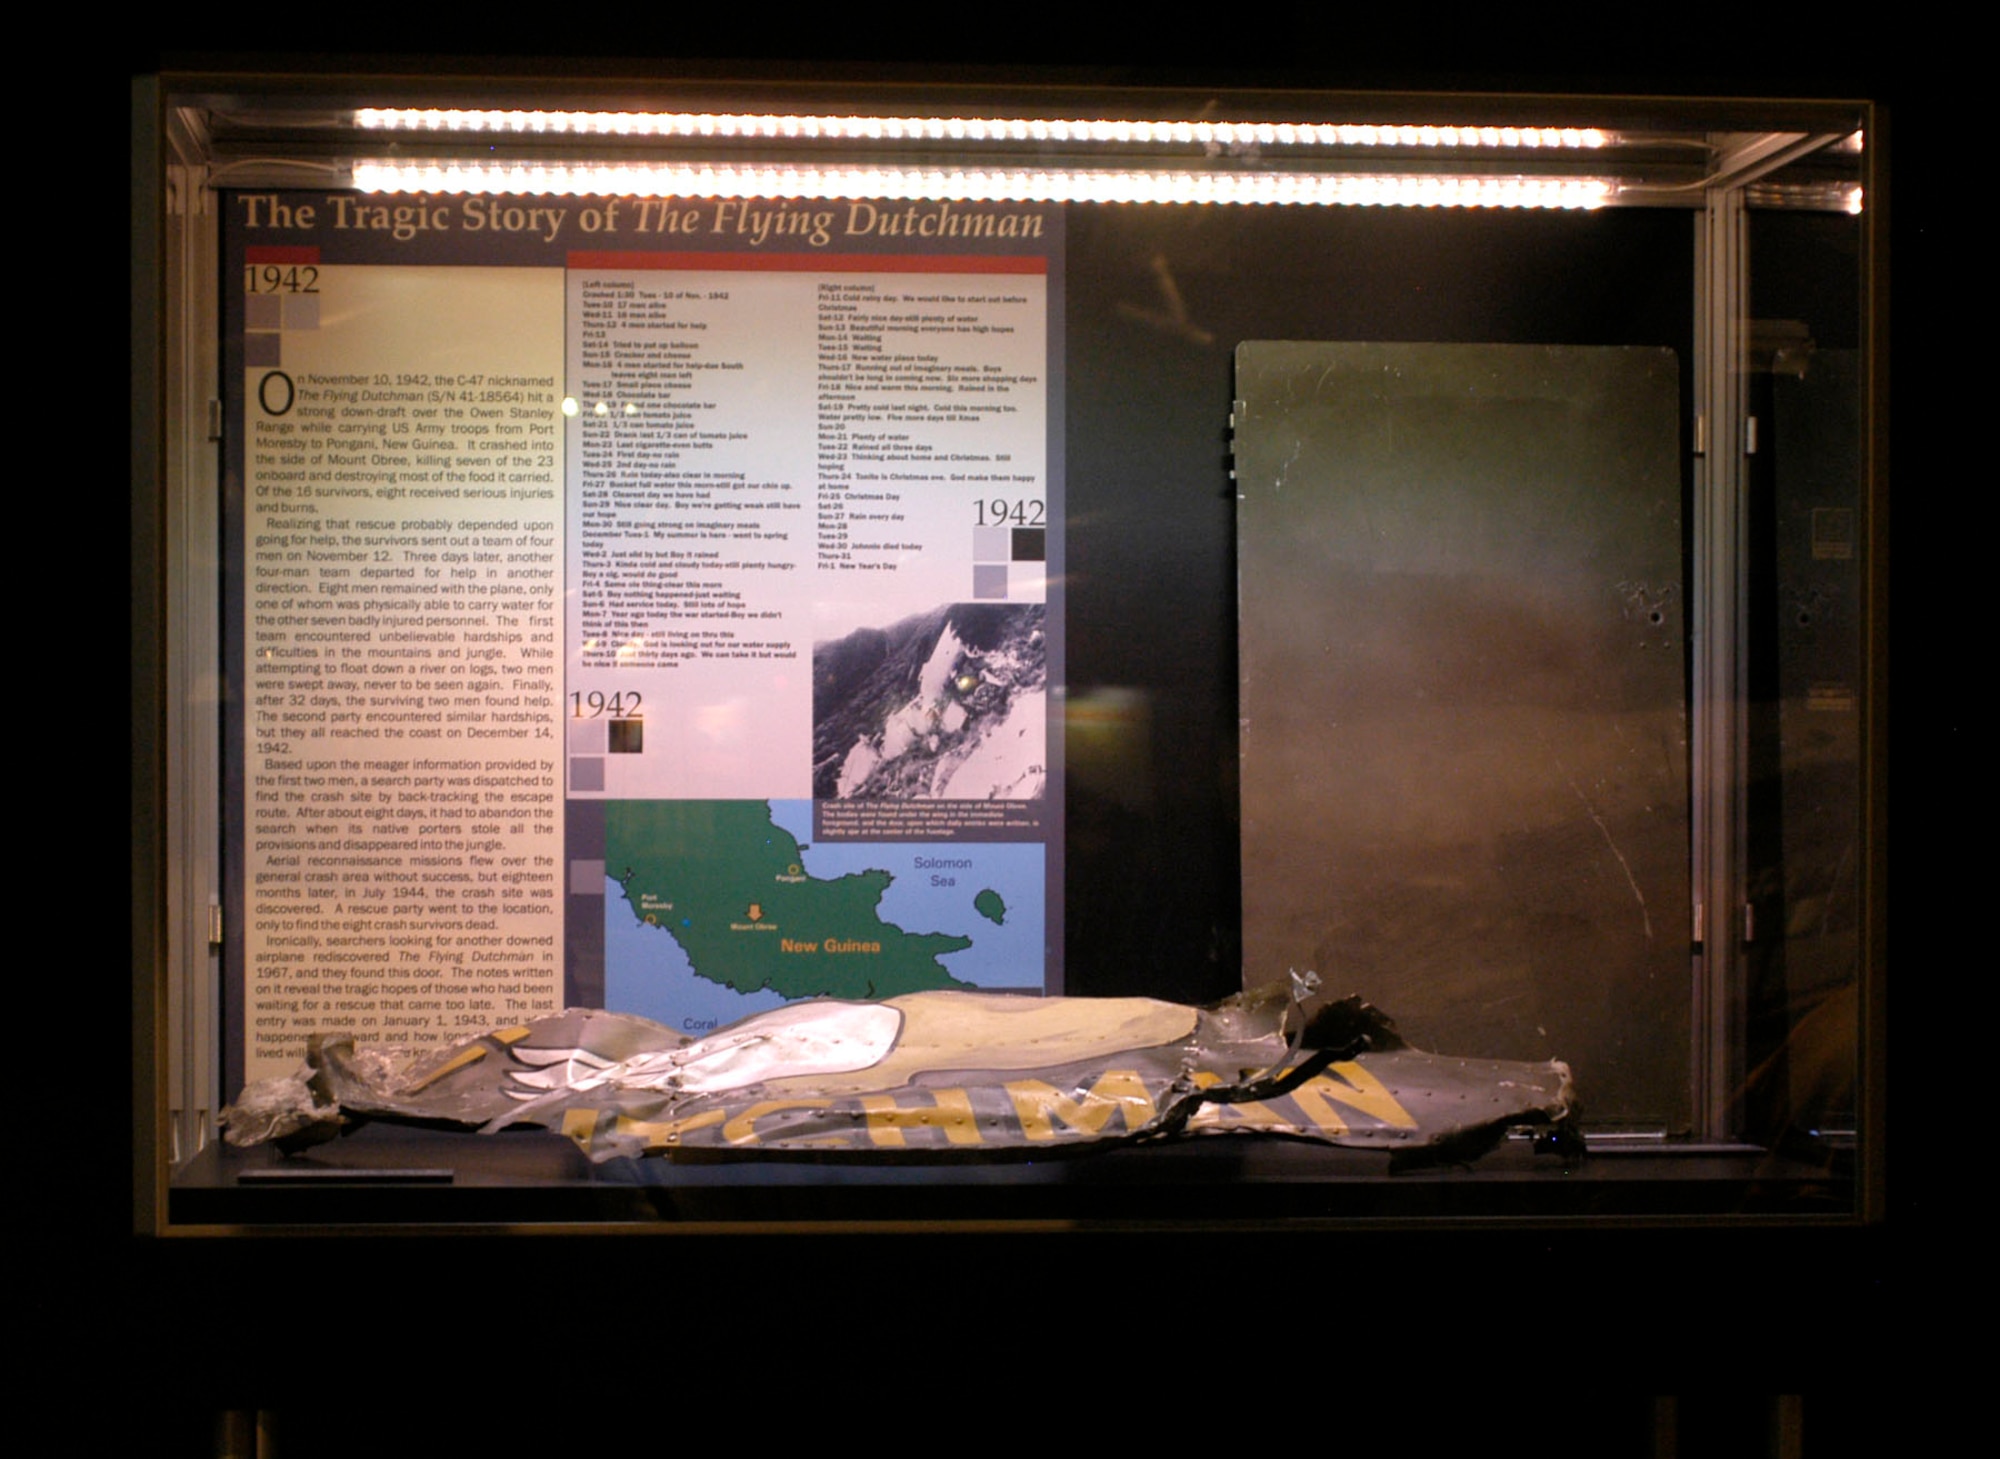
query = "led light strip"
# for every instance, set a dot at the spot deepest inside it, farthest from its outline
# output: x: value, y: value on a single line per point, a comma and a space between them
x: 982, y: 185
x: 974, y: 129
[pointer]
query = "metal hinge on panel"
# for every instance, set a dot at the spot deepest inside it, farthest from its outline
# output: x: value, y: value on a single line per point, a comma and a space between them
x: 215, y: 927
x: 1750, y: 435
x: 1701, y: 435
x: 214, y: 419
x: 1698, y: 921
x: 1749, y: 921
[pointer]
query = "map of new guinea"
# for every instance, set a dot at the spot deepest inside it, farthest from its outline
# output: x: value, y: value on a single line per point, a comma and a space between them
x: 729, y: 885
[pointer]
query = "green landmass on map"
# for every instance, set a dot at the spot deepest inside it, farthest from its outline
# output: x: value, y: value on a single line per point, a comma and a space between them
x: 726, y: 881
x: 989, y: 905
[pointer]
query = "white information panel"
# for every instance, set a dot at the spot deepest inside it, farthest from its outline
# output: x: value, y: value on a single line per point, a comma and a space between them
x: 677, y: 632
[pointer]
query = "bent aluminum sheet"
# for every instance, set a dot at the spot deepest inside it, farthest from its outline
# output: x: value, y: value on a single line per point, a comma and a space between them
x: 943, y: 1074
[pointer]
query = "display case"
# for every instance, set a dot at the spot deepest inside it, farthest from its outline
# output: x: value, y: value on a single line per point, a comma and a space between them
x: 682, y: 549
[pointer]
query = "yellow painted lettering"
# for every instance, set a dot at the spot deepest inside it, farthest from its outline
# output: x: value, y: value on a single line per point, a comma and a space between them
x: 1039, y: 1105
x: 1248, y: 1111
x: 951, y: 1113
x: 1356, y: 1088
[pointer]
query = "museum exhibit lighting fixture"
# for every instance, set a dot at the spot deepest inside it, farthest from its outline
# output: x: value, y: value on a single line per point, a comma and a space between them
x: 1098, y: 132
x: 974, y: 184
x: 1160, y: 160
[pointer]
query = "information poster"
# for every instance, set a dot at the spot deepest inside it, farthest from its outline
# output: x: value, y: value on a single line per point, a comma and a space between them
x: 650, y: 604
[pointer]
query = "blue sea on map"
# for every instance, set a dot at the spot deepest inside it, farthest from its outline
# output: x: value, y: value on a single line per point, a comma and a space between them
x: 647, y: 973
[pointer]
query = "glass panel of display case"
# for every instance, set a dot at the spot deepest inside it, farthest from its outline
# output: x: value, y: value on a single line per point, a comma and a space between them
x: 1463, y: 698
x: 665, y: 555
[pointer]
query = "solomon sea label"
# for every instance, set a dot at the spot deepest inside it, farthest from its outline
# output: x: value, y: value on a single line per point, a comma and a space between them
x: 729, y: 885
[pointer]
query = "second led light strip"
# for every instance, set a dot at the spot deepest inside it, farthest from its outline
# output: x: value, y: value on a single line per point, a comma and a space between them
x: 1003, y: 185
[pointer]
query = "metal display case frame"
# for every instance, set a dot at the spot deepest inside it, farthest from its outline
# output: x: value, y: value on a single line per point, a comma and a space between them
x: 1712, y: 162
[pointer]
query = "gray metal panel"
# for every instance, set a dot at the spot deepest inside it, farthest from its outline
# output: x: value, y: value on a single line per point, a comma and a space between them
x: 1463, y: 709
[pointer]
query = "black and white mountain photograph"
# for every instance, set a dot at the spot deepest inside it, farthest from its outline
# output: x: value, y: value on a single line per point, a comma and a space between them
x: 949, y: 704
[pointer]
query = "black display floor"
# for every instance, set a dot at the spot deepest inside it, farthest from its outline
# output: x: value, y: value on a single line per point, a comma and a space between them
x: 385, y: 1176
